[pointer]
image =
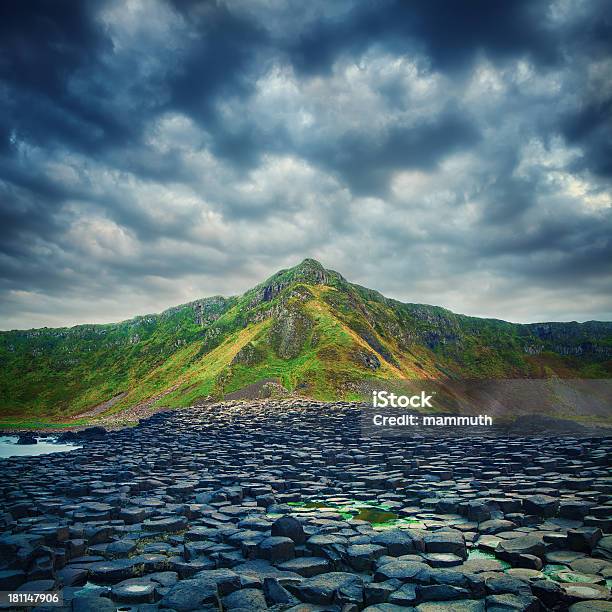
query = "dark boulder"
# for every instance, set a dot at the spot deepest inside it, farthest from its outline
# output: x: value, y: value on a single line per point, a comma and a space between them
x: 288, y: 527
x: 26, y: 438
x: 92, y: 433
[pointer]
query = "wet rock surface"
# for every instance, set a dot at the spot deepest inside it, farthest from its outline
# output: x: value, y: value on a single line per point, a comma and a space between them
x: 284, y: 506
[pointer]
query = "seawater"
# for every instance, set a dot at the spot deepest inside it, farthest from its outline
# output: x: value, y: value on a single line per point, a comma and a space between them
x: 10, y: 448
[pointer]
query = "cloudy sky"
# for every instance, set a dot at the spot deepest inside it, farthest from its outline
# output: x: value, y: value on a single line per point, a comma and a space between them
x: 453, y: 153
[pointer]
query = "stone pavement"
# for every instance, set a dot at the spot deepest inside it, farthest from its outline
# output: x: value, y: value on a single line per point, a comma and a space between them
x: 284, y: 506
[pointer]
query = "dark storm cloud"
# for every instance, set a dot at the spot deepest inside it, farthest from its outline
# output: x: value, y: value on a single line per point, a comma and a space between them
x: 450, y: 33
x: 44, y: 44
x: 219, y: 64
x: 366, y: 163
x: 591, y: 127
x: 590, y: 124
x: 153, y: 152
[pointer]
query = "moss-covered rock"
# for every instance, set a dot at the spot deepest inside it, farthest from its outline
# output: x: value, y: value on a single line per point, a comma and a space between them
x: 249, y: 354
x: 290, y: 331
x: 366, y: 359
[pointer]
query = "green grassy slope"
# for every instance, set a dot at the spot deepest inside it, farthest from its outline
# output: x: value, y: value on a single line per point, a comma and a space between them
x: 306, y: 328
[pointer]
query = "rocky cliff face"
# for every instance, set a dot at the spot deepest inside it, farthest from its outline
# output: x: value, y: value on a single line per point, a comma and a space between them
x: 572, y: 338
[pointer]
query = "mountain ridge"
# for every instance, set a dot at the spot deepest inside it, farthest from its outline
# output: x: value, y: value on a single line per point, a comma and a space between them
x: 196, y: 301
x: 306, y: 329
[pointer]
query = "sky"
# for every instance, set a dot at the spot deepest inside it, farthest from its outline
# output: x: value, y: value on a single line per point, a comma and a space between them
x: 452, y: 153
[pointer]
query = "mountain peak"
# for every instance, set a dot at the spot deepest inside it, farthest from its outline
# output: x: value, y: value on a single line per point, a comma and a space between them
x: 309, y: 271
x: 308, y: 262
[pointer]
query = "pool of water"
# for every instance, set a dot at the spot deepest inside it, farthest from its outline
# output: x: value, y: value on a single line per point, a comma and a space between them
x: 380, y: 515
x: 10, y: 448
x: 477, y: 553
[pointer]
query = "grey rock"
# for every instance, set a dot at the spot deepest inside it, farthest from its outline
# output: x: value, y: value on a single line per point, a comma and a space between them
x: 510, y: 603
x: 276, y: 548
x: 406, y: 595
x: 333, y: 586
x: 191, y: 594
x: 361, y: 557
x: 541, y: 505
x: 135, y: 590
x: 400, y: 542
x: 445, y: 542
x: 406, y: 571
x: 306, y: 566
x: 247, y: 599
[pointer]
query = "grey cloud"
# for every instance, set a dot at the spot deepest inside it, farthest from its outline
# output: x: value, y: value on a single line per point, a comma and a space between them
x: 366, y: 163
x: 196, y: 147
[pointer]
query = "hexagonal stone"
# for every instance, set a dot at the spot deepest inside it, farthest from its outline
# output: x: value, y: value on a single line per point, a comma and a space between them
x: 333, y: 586
x: 379, y: 592
x: 465, y: 605
x: 121, y: 548
x: 72, y: 576
x: 508, y: 603
x: 192, y: 594
x: 89, y: 603
x: 445, y: 542
x: 399, y: 542
x: 525, y: 574
x: 181, y: 489
x: 361, y: 557
x: 541, y: 505
x: 406, y: 595
x: 275, y: 593
x: 172, y: 524
x: 188, y: 569
x: 306, y: 566
x: 99, y: 534
x: 494, y: 526
x: 442, y: 559
x: 441, y: 592
x: 591, y: 606
x: 604, y: 548
x: 245, y: 599
x: 523, y: 545
x: 588, y: 565
x: 548, y: 592
x: 406, y: 571
x: 488, y: 542
x: 476, y: 566
x: 331, y: 546
x: 563, y: 557
x: 583, y: 539
x: 478, y: 511
x: 226, y: 581
x: 276, y: 548
x: 573, y: 577
x: 581, y: 591
x: 135, y: 590
x: 575, y: 509
x: 131, y: 516
x: 505, y: 583
x: 380, y: 607
x: 109, y: 572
